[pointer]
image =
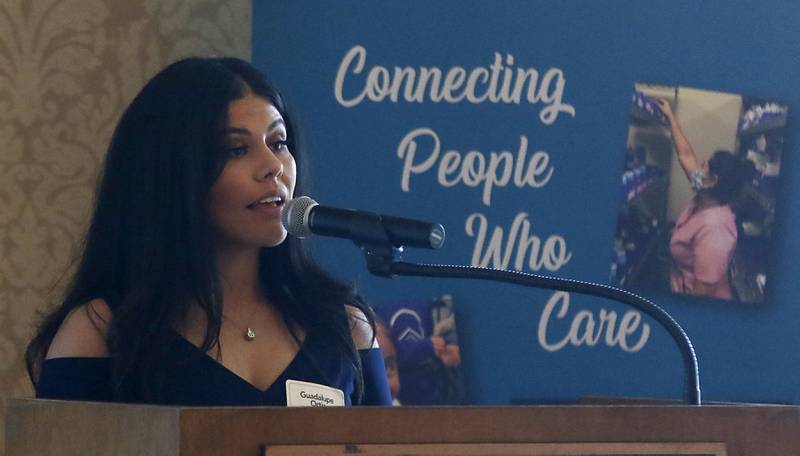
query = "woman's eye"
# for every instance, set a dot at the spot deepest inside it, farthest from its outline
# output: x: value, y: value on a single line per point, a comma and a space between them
x: 279, y: 146
x: 237, y: 151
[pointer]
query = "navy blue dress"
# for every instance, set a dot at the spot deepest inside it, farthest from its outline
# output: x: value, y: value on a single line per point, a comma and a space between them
x: 194, y: 378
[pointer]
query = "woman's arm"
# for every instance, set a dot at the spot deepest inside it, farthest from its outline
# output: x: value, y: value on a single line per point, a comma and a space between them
x: 83, y: 332
x: 77, y: 366
x: 363, y: 336
x: 376, y: 383
x: 686, y: 155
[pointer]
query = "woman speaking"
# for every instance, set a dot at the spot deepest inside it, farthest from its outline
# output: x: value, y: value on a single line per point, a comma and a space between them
x: 188, y: 291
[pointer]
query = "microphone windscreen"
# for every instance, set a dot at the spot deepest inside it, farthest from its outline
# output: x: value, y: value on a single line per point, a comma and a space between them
x: 294, y: 216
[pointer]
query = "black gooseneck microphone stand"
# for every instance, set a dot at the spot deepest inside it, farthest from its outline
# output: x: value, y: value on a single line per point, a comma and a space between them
x: 383, y: 259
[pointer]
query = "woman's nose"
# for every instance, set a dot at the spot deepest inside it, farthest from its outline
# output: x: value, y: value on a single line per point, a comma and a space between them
x: 270, y: 166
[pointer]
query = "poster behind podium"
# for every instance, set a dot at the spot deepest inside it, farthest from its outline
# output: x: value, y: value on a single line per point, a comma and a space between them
x: 515, y: 124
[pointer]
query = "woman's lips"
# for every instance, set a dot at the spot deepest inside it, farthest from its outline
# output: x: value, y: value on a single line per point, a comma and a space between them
x: 269, y: 208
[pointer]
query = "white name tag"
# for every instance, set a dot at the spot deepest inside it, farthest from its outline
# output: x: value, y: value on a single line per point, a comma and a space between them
x: 305, y: 394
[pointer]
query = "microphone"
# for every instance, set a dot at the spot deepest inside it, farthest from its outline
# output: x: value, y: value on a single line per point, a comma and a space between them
x: 302, y: 216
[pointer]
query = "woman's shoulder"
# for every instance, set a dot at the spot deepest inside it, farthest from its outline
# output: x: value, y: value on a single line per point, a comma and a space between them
x: 718, y: 216
x: 82, y: 334
x: 360, y: 328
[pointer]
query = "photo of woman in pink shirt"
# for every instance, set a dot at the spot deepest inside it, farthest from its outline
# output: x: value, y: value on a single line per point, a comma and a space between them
x: 705, y: 234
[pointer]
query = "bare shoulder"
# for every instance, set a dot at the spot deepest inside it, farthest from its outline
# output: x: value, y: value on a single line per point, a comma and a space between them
x: 83, y: 332
x: 362, y: 333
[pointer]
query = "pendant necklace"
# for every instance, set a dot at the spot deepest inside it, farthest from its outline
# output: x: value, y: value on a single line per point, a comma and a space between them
x: 249, y: 333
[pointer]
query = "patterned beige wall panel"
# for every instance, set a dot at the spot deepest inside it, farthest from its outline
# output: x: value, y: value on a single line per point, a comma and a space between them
x: 68, y: 68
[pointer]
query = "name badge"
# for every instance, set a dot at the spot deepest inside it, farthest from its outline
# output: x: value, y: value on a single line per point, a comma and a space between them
x: 305, y: 394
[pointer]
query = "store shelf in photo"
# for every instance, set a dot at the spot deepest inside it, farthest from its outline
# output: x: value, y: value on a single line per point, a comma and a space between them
x: 765, y: 126
x: 645, y: 109
x: 640, y: 240
x: 641, y: 182
x: 648, y: 270
x: 760, y: 115
x: 747, y: 272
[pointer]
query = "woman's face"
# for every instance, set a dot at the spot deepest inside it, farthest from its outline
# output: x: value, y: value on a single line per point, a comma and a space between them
x: 259, y: 177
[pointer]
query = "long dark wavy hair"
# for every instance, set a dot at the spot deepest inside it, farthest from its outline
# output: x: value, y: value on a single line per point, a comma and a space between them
x: 149, y: 249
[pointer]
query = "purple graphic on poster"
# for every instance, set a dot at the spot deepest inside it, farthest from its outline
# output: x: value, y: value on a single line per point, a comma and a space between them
x: 427, y: 353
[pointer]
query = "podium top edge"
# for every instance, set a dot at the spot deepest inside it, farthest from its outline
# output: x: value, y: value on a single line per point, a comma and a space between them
x: 32, y: 402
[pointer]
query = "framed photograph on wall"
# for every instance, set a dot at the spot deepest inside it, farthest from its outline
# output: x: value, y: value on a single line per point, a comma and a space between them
x: 698, y: 191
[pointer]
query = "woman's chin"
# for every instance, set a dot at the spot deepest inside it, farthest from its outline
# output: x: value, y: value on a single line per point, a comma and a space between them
x: 276, y: 240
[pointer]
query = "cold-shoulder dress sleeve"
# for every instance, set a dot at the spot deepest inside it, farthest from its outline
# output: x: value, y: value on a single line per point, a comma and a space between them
x: 376, y: 385
x: 78, y: 379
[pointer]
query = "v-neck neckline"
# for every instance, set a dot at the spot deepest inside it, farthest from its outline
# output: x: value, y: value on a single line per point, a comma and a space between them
x: 224, y: 369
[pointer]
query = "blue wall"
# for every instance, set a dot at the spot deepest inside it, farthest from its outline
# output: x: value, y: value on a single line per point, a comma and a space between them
x: 746, y: 353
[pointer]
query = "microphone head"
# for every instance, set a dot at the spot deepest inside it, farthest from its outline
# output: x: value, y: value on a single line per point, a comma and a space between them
x: 294, y: 216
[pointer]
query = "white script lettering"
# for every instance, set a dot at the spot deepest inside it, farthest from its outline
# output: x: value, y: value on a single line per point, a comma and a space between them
x: 553, y: 255
x: 586, y: 330
x: 501, y: 83
x: 474, y: 168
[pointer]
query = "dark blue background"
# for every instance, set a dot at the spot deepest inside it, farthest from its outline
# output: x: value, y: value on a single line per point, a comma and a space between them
x: 746, y: 353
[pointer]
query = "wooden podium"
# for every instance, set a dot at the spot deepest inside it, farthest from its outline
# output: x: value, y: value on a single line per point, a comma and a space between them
x: 38, y: 427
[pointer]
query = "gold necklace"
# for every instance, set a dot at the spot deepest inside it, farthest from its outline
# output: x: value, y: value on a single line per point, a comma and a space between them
x: 249, y: 333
